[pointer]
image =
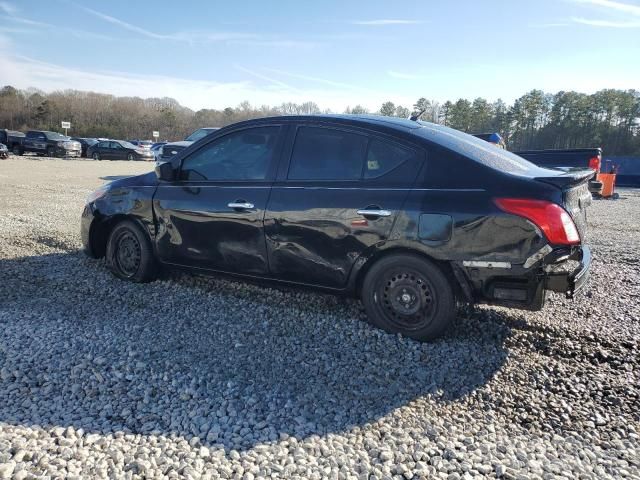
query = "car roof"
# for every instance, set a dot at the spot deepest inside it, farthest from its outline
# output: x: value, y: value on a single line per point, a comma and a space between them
x: 402, y: 124
x: 420, y: 131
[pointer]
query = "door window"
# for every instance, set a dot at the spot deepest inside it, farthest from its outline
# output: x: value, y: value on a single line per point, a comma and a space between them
x: 327, y: 154
x: 383, y: 157
x: 242, y: 155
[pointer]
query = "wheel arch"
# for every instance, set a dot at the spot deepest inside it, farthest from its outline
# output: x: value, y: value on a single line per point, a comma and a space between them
x: 101, y: 228
x: 444, y: 266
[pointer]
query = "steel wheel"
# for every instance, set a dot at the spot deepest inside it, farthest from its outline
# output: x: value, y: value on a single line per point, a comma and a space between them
x: 128, y: 254
x: 407, y: 294
x: 406, y: 298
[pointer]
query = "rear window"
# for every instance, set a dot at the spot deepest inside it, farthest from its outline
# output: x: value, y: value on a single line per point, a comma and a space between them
x: 327, y: 154
x: 482, y: 152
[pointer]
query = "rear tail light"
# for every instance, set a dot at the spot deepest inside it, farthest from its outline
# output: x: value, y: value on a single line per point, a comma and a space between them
x: 553, y: 220
x: 594, y: 162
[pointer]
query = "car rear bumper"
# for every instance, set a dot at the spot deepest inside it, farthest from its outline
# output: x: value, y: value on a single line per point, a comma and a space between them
x: 571, y: 282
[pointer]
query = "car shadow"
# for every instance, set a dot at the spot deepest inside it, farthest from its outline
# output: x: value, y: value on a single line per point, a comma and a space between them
x: 247, y: 366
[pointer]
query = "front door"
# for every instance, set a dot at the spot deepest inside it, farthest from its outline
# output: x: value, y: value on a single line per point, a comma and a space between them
x: 339, y: 196
x: 212, y: 216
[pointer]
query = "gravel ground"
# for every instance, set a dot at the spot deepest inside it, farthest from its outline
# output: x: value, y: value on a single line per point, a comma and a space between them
x: 210, y: 378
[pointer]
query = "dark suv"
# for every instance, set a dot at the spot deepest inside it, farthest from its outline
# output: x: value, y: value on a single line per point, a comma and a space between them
x: 409, y: 216
x: 51, y: 144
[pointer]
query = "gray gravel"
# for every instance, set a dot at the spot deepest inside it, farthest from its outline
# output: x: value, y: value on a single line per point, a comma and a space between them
x: 209, y: 378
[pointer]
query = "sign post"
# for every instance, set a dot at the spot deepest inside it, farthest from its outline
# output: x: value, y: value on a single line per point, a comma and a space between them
x: 156, y: 134
x: 66, y: 126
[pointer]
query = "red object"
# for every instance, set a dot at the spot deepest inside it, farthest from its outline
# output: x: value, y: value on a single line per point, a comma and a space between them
x: 594, y: 162
x: 608, y: 184
x: 554, y: 221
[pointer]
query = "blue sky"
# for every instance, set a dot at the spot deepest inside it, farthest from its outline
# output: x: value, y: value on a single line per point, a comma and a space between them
x: 213, y: 54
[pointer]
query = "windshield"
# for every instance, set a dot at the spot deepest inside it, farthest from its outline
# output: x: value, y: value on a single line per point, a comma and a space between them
x: 198, y: 134
x: 55, y: 136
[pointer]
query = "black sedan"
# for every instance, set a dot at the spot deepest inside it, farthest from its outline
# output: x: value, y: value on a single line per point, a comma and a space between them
x: 118, y: 150
x: 409, y: 216
x: 85, y: 143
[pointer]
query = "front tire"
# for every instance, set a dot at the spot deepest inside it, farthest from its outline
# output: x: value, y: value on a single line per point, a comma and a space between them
x: 130, y: 157
x: 409, y: 295
x: 129, y: 253
x: 51, y: 152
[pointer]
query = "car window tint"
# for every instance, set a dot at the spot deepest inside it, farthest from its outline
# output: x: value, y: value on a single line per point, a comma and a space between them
x: 383, y: 157
x: 103, y: 145
x: 242, y: 155
x: 327, y: 154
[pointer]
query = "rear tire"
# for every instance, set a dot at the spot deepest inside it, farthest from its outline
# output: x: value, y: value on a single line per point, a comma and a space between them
x: 129, y: 253
x: 96, y: 156
x: 409, y: 295
x: 17, y: 150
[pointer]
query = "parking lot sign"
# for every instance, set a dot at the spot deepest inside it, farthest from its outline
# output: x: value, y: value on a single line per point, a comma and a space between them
x: 156, y: 134
x: 66, y: 126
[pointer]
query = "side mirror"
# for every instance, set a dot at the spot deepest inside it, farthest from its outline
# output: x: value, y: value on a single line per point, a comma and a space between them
x: 164, y: 171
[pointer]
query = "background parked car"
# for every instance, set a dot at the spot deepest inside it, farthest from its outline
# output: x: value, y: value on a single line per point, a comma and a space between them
x: 142, y: 143
x: 156, y: 148
x: 4, y: 152
x: 171, y: 149
x: 85, y: 143
x: 118, y: 150
x: 51, y: 144
x: 12, y: 139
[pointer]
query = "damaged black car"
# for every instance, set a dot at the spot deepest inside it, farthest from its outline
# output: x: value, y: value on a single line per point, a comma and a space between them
x: 410, y: 217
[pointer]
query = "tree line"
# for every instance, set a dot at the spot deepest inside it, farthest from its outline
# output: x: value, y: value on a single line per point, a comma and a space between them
x: 609, y: 118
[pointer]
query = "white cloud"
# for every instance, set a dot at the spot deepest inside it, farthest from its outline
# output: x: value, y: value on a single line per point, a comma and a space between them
x: 264, y: 77
x: 23, y: 72
x: 614, y: 6
x: 605, y: 23
x: 8, y: 8
x: 386, y: 21
x: 198, y: 37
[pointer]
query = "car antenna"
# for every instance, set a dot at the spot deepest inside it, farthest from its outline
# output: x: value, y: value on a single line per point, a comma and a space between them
x: 416, y: 116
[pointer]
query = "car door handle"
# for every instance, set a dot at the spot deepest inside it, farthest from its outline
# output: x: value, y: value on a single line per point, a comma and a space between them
x: 374, y: 212
x: 241, y: 205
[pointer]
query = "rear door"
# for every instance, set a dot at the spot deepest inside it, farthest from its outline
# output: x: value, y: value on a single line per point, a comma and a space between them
x: 104, y: 149
x: 117, y: 151
x: 212, y: 217
x: 336, y: 197
x: 36, y: 142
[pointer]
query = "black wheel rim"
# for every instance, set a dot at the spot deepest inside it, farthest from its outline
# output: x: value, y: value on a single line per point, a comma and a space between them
x: 128, y: 254
x: 406, y: 298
